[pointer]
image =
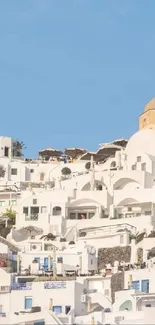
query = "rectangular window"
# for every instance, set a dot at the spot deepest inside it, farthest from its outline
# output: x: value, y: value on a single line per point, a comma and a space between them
x: 147, y: 213
x: 34, y: 201
x: 60, y: 260
x: 67, y: 309
x: 2, y: 203
x: 43, y: 209
x: 12, y: 202
x: 145, y: 286
x: 26, y: 211
x: 31, y: 170
x: 57, y: 309
x: 13, y: 171
x: 34, y: 210
x: 28, y: 302
x: 143, y: 167
x: 133, y: 167
x: 135, y: 285
x: 72, y: 216
x: 6, y: 151
x: 139, y: 159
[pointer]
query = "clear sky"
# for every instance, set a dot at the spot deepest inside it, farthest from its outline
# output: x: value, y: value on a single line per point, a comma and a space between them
x: 74, y: 72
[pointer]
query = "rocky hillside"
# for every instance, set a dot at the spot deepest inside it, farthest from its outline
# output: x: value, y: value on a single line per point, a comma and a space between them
x: 110, y: 255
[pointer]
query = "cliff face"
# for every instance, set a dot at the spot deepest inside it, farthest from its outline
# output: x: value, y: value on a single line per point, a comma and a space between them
x: 110, y: 255
x: 117, y: 284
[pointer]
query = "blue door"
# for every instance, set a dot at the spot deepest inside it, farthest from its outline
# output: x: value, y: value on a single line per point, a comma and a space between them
x: 135, y: 285
x: 145, y: 286
x: 57, y: 309
x: 46, y: 263
x: 28, y: 302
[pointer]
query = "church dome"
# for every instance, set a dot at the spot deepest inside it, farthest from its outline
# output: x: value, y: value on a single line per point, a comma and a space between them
x: 143, y: 141
x: 150, y: 105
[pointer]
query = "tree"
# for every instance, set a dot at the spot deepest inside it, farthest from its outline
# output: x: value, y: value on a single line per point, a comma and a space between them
x: 9, y: 213
x: 66, y: 171
x: 2, y: 171
x: 20, y: 146
x: 88, y: 165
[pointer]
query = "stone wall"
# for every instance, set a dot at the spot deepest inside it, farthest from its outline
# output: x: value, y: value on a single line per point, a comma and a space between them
x: 117, y: 284
x: 110, y: 255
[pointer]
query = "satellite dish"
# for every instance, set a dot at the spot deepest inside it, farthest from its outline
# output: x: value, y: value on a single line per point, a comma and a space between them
x: 84, y: 291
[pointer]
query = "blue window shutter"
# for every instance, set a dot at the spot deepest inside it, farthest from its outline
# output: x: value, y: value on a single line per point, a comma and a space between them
x: 57, y: 309
x: 135, y: 285
x: 28, y: 302
x: 145, y: 286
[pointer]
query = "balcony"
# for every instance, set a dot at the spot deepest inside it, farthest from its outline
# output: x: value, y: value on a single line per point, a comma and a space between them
x: 32, y: 217
x: 21, y: 286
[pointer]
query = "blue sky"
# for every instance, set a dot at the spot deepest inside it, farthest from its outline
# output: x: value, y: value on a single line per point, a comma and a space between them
x: 74, y: 72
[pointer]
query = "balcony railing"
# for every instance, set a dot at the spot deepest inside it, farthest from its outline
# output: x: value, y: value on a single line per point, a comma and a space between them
x: 32, y: 217
x: 21, y: 286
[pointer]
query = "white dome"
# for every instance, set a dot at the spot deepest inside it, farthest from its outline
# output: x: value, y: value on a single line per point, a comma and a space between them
x: 143, y: 141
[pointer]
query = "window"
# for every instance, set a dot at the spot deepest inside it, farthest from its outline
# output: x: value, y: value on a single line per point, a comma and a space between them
x: 26, y: 211
x: 60, y: 260
x: 143, y: 167
x: 6, y: 151
x: 147, y: 213
x: 34, y: 201
x: 31, y: 170
x: 91, y: 262
x: 57, y: 309
x: 139, y: 159
x: 145, y: 286
x: 2, y: 203
x: 72, y: 216
x: 67, y: 309
x: 129, y: 209
x: 133, y: 167
x: 13, y: 171
x: 12, y: 202
x: 135, y: 285
x: 43, y: 209
x: 57, y: 211
x: 121, y: 239
x: 148, y: 305
x: 34, y: 210
x: 28, y: 302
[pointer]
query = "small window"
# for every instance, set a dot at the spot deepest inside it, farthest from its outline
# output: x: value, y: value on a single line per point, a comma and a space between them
x: 139, y: 159
x: 143, y: 167
x: 148, y: 305
x: 91, y: 262
x: 60, y: 260
x: 13, y: 171
x: 31, y: 170
x: 147, y: 213
x: 2, y: 203
x: 6, y: 151
x: 43, y: 209
x: 12, y: 202
x: 129, y: 209
x: 25, y: 211
x: 133, y: 167
x: 34, y: 201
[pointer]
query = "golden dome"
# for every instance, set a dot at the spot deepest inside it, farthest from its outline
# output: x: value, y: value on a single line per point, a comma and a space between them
x: 150, y: 105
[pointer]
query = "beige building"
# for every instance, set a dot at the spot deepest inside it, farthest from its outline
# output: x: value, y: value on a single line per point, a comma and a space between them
x: 147, y: 118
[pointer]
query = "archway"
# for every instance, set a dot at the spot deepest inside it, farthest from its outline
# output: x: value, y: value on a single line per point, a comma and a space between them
x: 127, y: 305
x: 56, y: 211
x: 124, y: 182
